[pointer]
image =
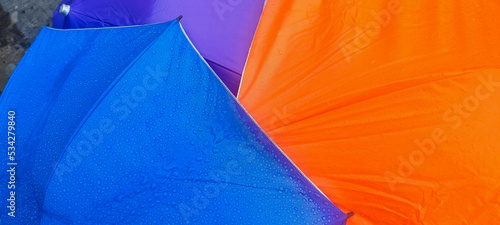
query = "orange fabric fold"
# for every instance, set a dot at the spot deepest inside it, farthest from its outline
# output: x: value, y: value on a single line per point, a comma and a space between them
x: 392, y: 108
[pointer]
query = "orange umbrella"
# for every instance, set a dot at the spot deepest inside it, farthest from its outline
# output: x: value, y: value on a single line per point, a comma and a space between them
x: 391, y: 107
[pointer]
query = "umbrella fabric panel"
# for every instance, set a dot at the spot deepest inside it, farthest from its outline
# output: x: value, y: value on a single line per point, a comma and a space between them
x: 390, y: 107
x: 182, y: 150
x: 60, y: 78
x: 221, y: 30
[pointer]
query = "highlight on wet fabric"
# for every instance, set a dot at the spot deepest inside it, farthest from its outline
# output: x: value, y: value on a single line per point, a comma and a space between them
x: 59, y: 79
x: 221, y: 30
x: 390, y: 107
x: 167, y: 143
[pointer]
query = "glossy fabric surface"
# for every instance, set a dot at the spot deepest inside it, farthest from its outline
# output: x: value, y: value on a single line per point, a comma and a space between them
x: 390, y: 107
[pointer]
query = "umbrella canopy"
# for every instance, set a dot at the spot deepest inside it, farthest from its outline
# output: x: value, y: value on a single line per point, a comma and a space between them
x: 221, y: 30
x: 153, y: 137
x: 54, y: 86
x: 390, y: 107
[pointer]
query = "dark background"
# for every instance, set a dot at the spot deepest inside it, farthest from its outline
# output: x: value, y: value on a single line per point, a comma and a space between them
x: 20, y: 23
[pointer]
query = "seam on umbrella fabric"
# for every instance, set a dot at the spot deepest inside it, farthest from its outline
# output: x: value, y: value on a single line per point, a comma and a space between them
x: 91, y: 111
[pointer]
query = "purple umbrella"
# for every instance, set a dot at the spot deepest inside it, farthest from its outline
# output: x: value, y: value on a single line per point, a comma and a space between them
x: 222, y: 30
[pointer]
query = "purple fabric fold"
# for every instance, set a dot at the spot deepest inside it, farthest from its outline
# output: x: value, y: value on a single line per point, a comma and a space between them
x: 222, y: 30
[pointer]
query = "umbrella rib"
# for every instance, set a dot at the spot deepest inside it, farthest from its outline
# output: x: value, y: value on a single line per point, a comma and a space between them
x: 91, y: 111
x: 211, y: 61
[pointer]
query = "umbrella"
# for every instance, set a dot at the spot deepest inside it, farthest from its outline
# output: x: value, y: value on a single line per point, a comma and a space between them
x: 221, y: 30
x: 54, y: 86
x: 390, y: 107
x: 130, y: 125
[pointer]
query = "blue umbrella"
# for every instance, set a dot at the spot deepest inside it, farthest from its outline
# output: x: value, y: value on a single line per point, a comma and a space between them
x: 54, y: 86
x: 131, y: 126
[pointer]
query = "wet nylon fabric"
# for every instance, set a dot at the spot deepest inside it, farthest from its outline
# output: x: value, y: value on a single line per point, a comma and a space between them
x: 391, y: 108
x: 222, y: 30
x: 144, y: 134
x: 57, y: 82
x: 185, y: 150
